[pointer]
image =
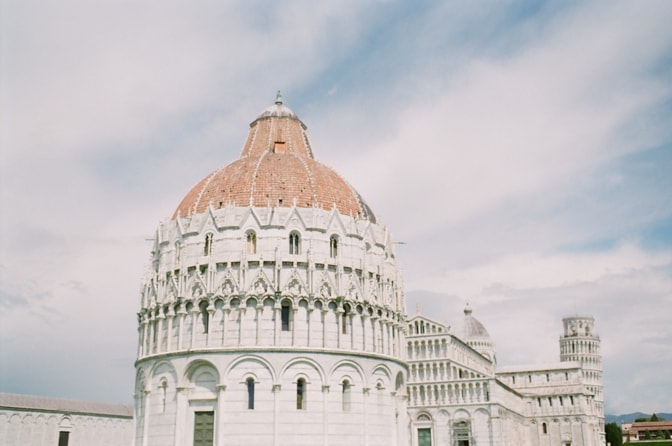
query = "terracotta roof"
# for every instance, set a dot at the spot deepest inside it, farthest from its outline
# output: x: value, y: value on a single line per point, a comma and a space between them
x: 648, y: 425
x: 49, y: 404
x: 276, y: 168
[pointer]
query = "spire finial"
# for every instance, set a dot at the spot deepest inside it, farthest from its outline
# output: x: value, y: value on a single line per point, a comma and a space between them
x: 278, y: 98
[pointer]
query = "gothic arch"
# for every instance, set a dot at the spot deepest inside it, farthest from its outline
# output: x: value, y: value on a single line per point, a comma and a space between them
x: 228, y: 285
x: 261, y: 285
x: 295, y: 285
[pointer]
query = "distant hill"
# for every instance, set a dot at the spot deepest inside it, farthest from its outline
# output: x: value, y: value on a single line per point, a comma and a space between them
x: 630, y: 417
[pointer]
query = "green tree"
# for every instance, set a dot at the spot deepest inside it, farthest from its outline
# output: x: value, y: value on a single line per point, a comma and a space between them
x: 614, y: 434
x: 654, y: 417
x: 647, y: 435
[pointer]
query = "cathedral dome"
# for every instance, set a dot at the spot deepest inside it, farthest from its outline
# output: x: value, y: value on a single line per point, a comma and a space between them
x: 473, y: 332
x: 471, y: 328
x: 276, y: 168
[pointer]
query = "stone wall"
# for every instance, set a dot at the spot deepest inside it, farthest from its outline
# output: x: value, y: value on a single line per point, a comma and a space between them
x: 40, y: 422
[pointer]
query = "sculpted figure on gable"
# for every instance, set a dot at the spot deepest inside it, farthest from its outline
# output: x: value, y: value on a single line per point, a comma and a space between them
x: 352, y: 292
x: 260, y: 286
x: 373, y: 290
x: 171, y: 293
x: 294, y: 287
x: 227, y: 288
x: 197, y: 290
x: 325, y: 290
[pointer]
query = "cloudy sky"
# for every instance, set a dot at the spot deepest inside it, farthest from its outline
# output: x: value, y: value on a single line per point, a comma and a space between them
x: 522, y: 152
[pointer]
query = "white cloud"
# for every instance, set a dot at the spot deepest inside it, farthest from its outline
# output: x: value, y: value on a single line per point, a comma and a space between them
x: 101, y: 73
x: 534, y: 270
x: 502, y: 127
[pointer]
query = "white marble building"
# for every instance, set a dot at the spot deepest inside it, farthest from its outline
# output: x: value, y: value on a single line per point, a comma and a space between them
x: 27, y: 420
x: 272, y: 312
x: 459, y: 396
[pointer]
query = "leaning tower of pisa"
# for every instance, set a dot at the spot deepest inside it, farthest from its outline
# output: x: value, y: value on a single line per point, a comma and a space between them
x: 580, y: 343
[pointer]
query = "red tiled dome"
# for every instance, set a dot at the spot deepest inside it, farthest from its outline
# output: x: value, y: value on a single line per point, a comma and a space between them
x: 276, y: 168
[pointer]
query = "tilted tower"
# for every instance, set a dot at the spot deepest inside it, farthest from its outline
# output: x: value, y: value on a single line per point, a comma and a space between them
x: 580, y: 343
x: 271, y: 312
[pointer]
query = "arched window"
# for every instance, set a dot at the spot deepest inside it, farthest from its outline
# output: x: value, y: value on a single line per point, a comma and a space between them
x: 65, y: 427
x: 284, y: 315
x: 544, y: 428
x: 294, y: 243
x: 301, y: 394
x: 207, y: 248
x: 164, y: 391
x: 205, y: 317
x: 424, y: 430
x: 333, y: 246
x: 251, y: 242
x: 344, y: 318
x: 346, y: 387
x: 250, y: 393
x: 155, y: 330
x: 381, y: 397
